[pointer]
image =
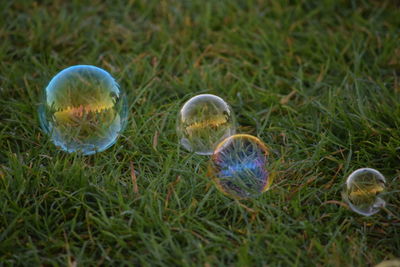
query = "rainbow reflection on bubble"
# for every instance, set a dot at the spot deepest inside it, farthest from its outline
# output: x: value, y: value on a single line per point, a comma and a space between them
x: 238, y: 166
x: 203, y: 122
x: 364, y: 191
x: 83, y: 110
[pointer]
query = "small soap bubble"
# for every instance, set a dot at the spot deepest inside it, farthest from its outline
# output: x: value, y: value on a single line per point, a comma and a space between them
x: 83, y: 110
x: 238, y: 166
x: 203, y: 122
x: 364, y: 191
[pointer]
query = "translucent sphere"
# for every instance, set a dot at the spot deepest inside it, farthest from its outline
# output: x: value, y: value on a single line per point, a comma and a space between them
x: 238, y: 166
x: 363, y: 191
x: 83, y: 110
x: 203, y: 122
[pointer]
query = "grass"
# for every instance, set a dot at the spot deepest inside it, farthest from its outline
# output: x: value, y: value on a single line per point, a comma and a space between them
x: 318, y: 82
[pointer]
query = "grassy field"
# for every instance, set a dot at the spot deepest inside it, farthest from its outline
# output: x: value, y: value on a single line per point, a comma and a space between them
x: 318, y: 82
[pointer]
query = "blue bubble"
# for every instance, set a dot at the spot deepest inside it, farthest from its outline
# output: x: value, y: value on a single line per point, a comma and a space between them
x: 238, y: 166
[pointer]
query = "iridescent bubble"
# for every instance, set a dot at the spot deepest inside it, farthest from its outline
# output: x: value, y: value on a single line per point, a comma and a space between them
x: 364, y: 191
x: 238, y: 166
x: 83, y: 110
x: 203, y: 122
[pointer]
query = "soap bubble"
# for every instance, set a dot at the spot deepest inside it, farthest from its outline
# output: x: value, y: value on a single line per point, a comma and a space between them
x: 203, y: 122
x: 83, y: 110
x: 363, y: 191
x: 238, y: 166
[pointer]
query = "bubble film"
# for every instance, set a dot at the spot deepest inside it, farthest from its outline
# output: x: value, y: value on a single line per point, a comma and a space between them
x: 363, y: 191
x: 203, y: 122
x: 83, y: 110
x: 238, y: 166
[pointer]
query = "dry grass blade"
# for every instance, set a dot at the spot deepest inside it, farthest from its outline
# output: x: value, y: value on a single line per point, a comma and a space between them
x: 134, y: 179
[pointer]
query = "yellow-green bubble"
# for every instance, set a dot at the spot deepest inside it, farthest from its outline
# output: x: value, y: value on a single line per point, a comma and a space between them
x: 203, y: 122
x: 364, y: 191
x: 83, y: 110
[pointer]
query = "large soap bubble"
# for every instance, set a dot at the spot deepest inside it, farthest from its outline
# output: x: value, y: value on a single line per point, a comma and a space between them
x: 83, y: 110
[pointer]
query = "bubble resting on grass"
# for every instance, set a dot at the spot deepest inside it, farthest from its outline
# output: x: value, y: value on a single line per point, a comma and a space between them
x: 238, y: 166
x: 203, y: 122
x: 363, y: 191
x: 83, y: 110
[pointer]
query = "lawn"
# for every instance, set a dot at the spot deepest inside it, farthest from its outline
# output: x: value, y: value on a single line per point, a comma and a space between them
x: 317, y: 81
